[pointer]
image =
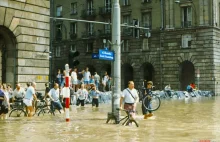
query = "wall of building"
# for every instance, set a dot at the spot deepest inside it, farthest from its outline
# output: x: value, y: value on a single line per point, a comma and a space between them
x: 28, y: 22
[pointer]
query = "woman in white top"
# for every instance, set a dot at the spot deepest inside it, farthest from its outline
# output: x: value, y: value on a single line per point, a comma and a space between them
x: 82, y: 95
x: 74, y: 79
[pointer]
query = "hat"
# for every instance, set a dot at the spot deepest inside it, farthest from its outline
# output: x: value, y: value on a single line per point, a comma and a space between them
x: 150, y: 82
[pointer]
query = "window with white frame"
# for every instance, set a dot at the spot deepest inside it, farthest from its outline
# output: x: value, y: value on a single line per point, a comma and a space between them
x: 90, y: 28
x: 57, y: 53
x: 89, y: 47
x: 90, y: 7
x: 126, y: 2
x: 73, y: 47
x: 186, y: 16
x: 73, y: 8
x: 125, y: 46
x: 145, y: 44
x: 73, y: 28
x: 146, y: 18
x: 59, y: 11
x: 186, y: 40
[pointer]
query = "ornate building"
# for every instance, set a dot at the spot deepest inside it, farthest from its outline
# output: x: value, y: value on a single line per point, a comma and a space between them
x: 24, y: 41
x: 181, y: 46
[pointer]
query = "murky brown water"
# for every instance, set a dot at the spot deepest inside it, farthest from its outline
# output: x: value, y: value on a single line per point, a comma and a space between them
x: 175, y: 121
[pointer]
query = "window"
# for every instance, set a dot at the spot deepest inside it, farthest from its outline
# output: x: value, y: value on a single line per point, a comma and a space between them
x: 108, y: 6
x: 73, y: 9
x: 59, y: 11
x: 57, y: 53
x: 59, y: 32
x: 73, y: 28
x: 186, y: 17
x: 73, y: 47
x: 146, y: 18
x: 107, y: 27
x: 127, y: 20
x: 90, y: 7
x: 90, y: 28
x: 186, y: 41
x: 145, y: 44
x: 125, y: 46
x: 89, y: 47
x: 126, y: 2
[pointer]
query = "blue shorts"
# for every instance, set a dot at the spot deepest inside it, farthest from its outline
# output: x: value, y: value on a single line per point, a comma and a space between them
x: 86, y: 82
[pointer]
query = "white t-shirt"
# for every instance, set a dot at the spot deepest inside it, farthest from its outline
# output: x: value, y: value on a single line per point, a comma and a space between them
x: 87, y: 76
x: 54, y: 94
x: 19, y: 93
x: 82, y: 94
x: 127, y: 96
x: 74, y: 76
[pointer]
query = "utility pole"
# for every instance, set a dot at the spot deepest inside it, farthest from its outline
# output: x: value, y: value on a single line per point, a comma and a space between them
x: 116, y: 44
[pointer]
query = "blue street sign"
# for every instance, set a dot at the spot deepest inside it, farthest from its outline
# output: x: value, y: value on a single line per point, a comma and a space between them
x: 95, y: 55
x: 106, y: 54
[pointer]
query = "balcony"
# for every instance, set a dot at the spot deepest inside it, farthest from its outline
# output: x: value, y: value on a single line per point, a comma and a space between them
x: 186, y: 24
x: 88, y: 14
x: 126, y: 32
x: 146, y: 25
x: 88, y: 35
x: 105, y: 11
x: 104, y: 33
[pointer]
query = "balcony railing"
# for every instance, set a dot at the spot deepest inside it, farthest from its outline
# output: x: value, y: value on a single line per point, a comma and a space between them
x: 146, y: 25
x: 186, y: 24
x: 89, y: 13
x: 104, y: 33
x: 105, y: 10
x: 88, y: 34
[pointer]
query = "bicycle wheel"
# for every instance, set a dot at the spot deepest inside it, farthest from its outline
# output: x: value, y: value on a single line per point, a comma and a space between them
x: 151, y: 104
x: 17, y: 113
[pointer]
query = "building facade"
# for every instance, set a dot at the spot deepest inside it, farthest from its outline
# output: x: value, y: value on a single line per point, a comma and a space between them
x: 24, y: 41
x: 181, y: 46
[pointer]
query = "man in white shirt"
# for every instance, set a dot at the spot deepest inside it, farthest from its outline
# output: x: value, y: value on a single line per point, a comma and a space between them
x: 54, y: 95
x: 74, y: 79
x: 97, y: 79
x: 129, y: 96
x: 19, y: 92
x: 82, y: 94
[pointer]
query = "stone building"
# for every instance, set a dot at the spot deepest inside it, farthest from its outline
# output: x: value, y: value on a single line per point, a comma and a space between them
x: 181, y: 46
x: 24, y: 41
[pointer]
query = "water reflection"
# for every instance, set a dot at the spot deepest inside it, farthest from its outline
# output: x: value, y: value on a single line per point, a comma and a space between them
x: 193, y: 119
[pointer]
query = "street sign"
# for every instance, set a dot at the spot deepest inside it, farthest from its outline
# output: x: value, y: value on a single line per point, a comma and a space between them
x: 95, y: 55
x: 106, y: 55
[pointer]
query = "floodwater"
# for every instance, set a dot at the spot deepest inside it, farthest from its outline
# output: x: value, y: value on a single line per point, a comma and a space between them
x: 193, y: 120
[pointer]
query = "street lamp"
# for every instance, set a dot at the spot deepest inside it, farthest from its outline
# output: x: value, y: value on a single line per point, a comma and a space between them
x: 193, y: 6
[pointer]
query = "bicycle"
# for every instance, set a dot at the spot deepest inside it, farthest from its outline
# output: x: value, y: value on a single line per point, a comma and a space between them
x: 47, y: 109
x: 18, y: 109
x: 128, y: 118
x: 152, y: 102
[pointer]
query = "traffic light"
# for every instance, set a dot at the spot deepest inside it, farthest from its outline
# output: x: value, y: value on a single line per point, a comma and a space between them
x: 72, y: 61
x: 136, y: 30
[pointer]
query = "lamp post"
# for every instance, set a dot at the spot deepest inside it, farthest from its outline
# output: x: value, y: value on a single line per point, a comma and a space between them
x: 193, y: 6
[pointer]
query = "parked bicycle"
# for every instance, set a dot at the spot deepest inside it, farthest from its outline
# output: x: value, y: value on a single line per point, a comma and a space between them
x: 128, y: 119
x: 18, y: 109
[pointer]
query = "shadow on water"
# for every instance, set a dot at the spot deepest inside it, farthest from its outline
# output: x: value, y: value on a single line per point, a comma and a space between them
x: 192, y: 119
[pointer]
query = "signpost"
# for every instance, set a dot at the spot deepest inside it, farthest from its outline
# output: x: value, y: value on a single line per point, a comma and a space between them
x: 104, y: 55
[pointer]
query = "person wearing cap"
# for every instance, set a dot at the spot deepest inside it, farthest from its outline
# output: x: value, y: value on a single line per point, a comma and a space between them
x: 148, y: 93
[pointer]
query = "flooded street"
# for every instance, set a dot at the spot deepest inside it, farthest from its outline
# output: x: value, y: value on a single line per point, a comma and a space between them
x: 193, y: 120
